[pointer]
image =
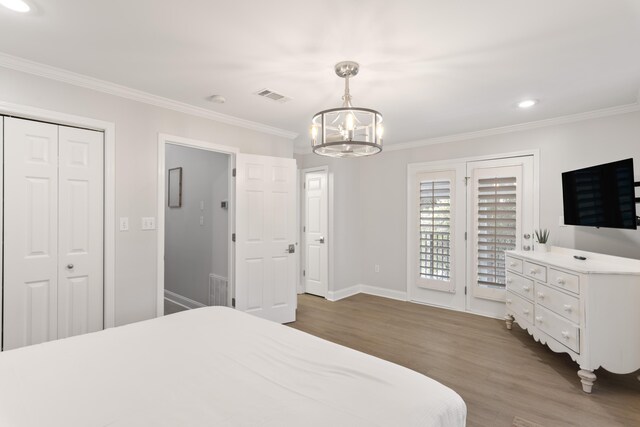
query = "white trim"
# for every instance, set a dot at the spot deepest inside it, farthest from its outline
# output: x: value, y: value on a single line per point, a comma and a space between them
x: 366, y: 289
x: 384, y: 292
x: 330, y: 260
x: 163, y: 140
x: 554, y: 121
x: 76, y: 79
x: 182, y: 301
x: 109, y: 130
x: 344, y: 293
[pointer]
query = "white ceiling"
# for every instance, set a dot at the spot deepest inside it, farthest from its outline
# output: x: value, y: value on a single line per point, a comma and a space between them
x: 432, y: 67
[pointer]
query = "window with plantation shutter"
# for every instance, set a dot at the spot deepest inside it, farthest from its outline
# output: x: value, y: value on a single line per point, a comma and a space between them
x: 435, y: 229
x: 496, y: 228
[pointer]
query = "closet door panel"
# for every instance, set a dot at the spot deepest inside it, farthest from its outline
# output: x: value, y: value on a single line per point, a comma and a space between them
x: 80, y: 275
x: 31, y: 232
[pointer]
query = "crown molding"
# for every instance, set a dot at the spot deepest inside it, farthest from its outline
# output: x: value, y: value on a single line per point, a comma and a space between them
x: 65, y: 76
x: 555, y: 121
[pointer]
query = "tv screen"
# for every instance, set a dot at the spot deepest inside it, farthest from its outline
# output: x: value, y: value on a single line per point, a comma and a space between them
x: 600, y: 196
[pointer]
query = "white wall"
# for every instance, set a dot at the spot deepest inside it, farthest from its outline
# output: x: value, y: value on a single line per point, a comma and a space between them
x: 374, y: 190
x: 137, y: 127
x: 193, y: 250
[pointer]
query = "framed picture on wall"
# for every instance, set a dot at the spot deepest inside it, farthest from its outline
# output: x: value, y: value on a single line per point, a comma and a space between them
x: 175, y: 188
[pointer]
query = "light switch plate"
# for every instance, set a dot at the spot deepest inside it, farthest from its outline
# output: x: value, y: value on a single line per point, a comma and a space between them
x: 124, y: 223
x: 148, y: 223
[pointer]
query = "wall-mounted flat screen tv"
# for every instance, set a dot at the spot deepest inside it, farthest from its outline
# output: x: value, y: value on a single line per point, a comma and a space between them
x: 600, y: 196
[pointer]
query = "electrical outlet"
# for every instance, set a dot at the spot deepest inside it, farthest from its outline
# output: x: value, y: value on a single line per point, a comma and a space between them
x: 124, y: 223
x: 376, y: 268
x: 148, y: 223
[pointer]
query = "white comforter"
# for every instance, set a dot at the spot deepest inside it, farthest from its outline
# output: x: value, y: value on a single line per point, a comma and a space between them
x: 214, y: 367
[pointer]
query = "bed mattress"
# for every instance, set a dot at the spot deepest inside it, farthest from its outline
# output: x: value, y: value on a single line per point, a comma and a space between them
x: 214, y: 367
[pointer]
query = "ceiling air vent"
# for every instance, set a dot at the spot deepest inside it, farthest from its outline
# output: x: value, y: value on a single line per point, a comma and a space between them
x: 274, y: 96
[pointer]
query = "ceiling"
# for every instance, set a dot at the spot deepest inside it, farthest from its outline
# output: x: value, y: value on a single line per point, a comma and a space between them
x: 433, y: 68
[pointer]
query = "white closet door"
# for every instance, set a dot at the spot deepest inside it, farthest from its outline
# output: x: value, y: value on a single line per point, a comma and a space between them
x: 315, y: 235
x: 80, y: 272
x: 30, y: 232
x: 53, y: 222
x: 265, y: 229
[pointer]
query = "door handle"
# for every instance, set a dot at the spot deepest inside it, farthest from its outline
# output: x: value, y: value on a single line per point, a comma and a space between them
x: 69, y: 266
x: 290, y: 250
x: 321, y: 240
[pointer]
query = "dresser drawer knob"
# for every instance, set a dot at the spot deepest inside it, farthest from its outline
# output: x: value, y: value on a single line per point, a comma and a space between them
x: 561, y: 281
x: 513, y: 264
x: 565, y: 335
x: 509, y: 280
x: 533, y: 271
x: 540, y: 295
x: 525, y: 311
x: 568, y: 308
x: 509, y: 301
x: 526, y: 288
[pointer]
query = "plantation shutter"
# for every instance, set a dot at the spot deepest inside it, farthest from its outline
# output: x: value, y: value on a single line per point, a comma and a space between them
x: 496, y: 228
x: 435, y: 232
x: 435, y: 194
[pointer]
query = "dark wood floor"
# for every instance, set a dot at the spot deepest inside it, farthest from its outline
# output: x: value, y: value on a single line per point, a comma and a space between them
x: 499, y: 373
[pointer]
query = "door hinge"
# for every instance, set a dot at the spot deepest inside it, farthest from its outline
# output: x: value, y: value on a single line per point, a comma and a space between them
x: 465, y: 290
x: 233, y: 302
x: 465, y: 235
x: 466, y: 180
x: 304, y: 228
x: 233, y: 172
x: 304, y: 185
x: 233, y: 237
x: 304, y: 273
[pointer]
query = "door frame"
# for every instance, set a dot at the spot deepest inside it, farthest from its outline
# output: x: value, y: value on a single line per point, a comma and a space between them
x: 109, y: 221
x: 163, y: 140
x: 301, y: 205
x: 413, y: 168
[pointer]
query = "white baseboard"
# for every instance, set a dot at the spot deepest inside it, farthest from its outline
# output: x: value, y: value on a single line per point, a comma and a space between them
x: 366, y: 289
x: 343, y: 293
x: 384, y: 292
x: 182, y: 301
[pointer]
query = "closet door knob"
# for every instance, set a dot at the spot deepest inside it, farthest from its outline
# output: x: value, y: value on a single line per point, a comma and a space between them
x: 69, y: 266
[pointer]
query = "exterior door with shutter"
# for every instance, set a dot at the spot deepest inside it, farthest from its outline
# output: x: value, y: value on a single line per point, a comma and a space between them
x: 436, y: 236
x: 500, y: 200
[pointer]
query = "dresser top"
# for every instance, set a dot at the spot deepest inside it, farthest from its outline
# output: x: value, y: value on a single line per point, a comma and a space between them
x: 594, y: 264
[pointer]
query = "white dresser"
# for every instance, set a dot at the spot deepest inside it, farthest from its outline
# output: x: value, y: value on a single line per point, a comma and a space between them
x: 588, y: 308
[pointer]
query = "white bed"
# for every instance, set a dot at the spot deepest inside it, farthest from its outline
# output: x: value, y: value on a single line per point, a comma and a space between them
x: 214, y: 367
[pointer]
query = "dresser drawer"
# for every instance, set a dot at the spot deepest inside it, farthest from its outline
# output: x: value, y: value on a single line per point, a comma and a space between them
x: 558, y: 302
x: 519, y: 308
x: 520, y: 285
x: 562, y: 330
x: 535, y: 271
x: 513, y: 264
x: 566, y: 281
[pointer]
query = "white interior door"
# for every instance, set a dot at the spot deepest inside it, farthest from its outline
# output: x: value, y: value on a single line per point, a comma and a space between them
x: 80, y: 236
x: 315, y: 233
x: 436, y: 236
x: 501, y: 217
x: 52, y: 219
x: 265, y: 236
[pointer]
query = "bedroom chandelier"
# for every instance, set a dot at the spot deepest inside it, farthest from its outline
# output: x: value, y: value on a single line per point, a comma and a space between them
x: 347, y: 131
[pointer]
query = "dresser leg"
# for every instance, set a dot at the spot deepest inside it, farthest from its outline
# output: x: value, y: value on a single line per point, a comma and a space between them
x: 509, y: 320
x: 587, y: 378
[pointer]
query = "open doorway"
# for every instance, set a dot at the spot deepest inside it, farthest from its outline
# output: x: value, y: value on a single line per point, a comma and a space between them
x: 195, y: 220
